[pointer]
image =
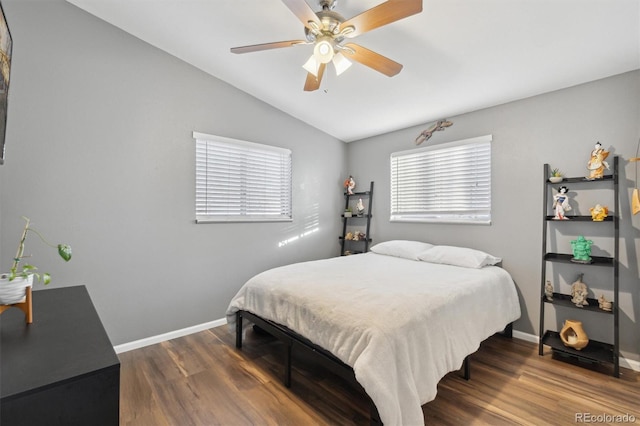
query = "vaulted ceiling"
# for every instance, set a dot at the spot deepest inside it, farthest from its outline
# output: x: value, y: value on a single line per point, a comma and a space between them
x: 458, y: 55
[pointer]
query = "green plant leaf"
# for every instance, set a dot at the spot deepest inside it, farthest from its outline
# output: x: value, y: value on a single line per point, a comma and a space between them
x: 46, y: 278
x: 28, y: 268
x: 64, y: 250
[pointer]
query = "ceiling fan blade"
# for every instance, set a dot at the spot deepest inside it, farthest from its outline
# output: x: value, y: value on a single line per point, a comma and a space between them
x: 383, y: 14
x: 302, y: 10
x: 372, y: 59
x: 267, y: 46
x: 313, y: 83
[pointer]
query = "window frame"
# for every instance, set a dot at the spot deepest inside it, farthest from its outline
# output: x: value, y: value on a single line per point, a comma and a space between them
x: 470, y: 216
x: 285, y: 171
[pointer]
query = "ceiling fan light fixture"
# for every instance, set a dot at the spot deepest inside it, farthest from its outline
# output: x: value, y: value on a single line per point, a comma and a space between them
x: 323, y: 51
x: 312, y: 65
x: 347, y: 30
x: 341, y: 63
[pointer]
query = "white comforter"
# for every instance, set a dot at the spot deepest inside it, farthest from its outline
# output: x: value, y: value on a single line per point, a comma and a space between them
x: 400, y: 324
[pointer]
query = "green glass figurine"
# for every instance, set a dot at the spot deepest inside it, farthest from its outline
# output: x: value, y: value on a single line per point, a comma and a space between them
x: 581, y: 250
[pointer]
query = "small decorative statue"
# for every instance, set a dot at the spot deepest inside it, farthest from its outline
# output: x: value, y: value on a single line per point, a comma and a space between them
x: 597, y: 163
x: 604, y: 304
x: 360, y: 207
x: 573, y: 335
x: 548, y: 291
x: 581, y: 250
x: 561, y: 203
x: 349, y: 236
x: 598, y: 213
x: 358, y: 236
x: 579, y: 292
x: 350, y: 184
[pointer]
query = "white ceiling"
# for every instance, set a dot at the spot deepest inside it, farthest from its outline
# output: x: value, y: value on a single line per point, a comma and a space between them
x: 458, y: 55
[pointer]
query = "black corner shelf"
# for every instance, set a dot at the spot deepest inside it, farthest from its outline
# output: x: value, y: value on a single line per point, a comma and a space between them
x: 594, y: 352
x: 581, y: 179
x: 566, y: 258
x: 356, y: 241
x: 347, y: 246
x: 361, y: 194
x: 561, y: 299
x: 579, y: 219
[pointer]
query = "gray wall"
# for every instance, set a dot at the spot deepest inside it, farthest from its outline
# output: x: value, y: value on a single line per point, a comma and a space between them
x: 100, y: 155
x: 559, y: 128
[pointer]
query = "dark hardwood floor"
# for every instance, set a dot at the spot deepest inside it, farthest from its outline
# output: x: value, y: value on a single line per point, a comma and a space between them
x: 202, y: 379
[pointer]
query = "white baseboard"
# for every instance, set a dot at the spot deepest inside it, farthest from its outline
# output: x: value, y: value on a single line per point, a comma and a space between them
x: 525, y: 336
x: 137, y: 344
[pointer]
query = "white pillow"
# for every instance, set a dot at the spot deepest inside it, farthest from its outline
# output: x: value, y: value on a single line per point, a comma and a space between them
x: 401, y: 248
x: 458, y: 256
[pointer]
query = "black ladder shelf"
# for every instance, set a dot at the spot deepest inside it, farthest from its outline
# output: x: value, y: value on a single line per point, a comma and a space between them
x: 595, y: 352
x: 349, y: 223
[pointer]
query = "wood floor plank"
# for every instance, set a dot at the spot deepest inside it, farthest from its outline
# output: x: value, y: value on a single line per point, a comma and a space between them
x: 202, y: 379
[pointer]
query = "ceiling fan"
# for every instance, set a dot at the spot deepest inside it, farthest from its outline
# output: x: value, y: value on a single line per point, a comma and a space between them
x: 328, y: 30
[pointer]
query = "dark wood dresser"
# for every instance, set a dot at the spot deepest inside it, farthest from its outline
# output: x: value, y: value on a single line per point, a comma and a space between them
x: 60, y: 370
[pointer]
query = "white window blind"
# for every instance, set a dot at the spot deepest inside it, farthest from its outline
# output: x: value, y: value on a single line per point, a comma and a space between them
x: 239, y: 181
x: 447, y: 183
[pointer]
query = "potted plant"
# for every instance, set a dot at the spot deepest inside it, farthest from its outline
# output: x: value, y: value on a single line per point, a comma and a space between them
x: 556, y: 176
x: 348, y: 212
x: 14, y: 283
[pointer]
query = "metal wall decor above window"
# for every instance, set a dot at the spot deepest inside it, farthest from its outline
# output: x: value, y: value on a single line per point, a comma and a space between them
x: 238, y: 181
x: 446, y: 183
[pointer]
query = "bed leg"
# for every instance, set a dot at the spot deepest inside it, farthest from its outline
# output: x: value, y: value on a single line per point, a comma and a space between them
x: 238, y: 330
x: 287, y: 364
x: 508, y: 331
x: 467, y: 368
x: 374, y: 415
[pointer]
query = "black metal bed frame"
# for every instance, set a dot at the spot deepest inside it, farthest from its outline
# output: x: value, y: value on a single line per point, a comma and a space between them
x: 290, y: 339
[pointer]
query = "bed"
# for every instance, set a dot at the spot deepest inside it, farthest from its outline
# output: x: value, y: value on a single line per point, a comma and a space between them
x: 400, y: 317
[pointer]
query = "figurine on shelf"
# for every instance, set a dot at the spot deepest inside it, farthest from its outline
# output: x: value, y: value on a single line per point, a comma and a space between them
x: 358, y: 236
x: 581, y: 250
x: 349, y: 236
x: 573, y: 335
x: 548, y: 291
x: 604, y: 304
x: 579, y: 292
x: 360, y: 207
x: 561, y: 203
x: 598, y: 213
x: 597, y: 163
x: 350, y: 184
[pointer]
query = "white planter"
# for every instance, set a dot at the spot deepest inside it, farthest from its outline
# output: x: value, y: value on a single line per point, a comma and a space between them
x: 14, y: 291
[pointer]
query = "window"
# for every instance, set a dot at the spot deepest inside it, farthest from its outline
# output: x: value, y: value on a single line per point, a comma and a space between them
x: 448, y: 183
x: 238, y: 181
